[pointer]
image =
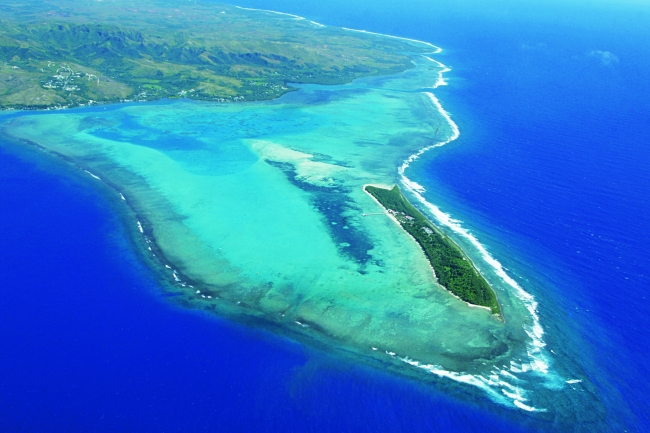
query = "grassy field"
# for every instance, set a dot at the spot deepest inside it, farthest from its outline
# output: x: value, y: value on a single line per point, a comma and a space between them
x: 453, y: 269
x: 68, y: 53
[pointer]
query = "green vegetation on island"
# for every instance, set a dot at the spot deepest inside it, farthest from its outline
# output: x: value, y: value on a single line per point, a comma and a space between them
x: 70, y: 53
x: 452, y: 267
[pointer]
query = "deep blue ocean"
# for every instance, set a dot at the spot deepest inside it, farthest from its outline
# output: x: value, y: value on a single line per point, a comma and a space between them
x: 551, y: 172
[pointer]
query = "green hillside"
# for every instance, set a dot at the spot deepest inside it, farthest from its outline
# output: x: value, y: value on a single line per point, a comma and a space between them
x: 70, y: 53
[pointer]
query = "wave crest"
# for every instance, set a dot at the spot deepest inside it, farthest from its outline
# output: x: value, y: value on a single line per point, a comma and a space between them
x: 539, y: 361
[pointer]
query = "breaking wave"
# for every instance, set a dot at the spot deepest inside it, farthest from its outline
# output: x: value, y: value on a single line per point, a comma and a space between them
x: 538, y: 361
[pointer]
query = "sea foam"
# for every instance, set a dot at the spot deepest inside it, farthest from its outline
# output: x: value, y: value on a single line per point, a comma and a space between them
x: 93, y: 175
x: 436, y: 49
x: 538, y: 360
x: 296, y: 17
x: 441, y: 73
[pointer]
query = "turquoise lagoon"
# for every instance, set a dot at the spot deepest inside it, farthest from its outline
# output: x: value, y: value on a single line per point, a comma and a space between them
x: 256, y: 211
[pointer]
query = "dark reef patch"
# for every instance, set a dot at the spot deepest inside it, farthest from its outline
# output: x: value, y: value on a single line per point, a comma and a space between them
x: 334, y: 205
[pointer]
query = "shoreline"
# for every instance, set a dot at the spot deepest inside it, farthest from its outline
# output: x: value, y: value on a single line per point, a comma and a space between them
x: 297, y: 17
x: 437, y: 49
x: 469, y: 304
x: 231, y: 99
x: 541, y: 359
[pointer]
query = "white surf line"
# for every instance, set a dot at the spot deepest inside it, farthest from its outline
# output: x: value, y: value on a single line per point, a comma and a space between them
x: 175, y: 274
x: 498, y: 390
x: 443, y: 69
x: 535, y: 332
x: 95, y: 176
x: 141, y: 228
x: 437, y: 49
x: 538, y: 360
x: 297, y: 17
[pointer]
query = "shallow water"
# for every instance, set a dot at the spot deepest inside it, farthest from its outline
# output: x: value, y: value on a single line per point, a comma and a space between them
x: 260, y: 207
x: 529, y: 238
x: 90, y: 343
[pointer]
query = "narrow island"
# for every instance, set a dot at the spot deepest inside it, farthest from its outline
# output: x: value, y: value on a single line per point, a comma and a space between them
x: 454, y: 270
